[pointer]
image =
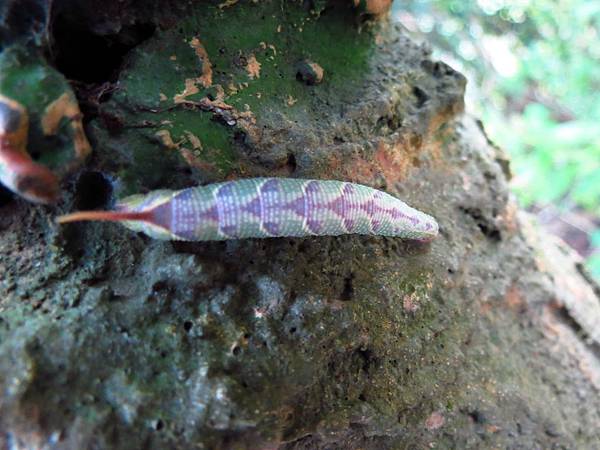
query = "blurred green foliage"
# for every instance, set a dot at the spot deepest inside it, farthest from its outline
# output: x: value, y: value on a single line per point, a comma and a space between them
x: 535, y: 72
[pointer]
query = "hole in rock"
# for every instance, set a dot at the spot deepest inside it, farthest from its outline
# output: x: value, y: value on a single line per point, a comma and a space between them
x: 291, y: 163
x: 421, y: 96
x: 6, y: 196
x: 82, y: 55
x: 348, y: 291
x: 92, y: 191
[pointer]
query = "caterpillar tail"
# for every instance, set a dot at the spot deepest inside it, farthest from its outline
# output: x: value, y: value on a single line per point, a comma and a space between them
x: 106, y: 216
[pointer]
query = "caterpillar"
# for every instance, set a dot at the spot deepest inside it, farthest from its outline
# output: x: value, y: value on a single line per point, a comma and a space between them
x: 266, y: 207
x: 18, y: 171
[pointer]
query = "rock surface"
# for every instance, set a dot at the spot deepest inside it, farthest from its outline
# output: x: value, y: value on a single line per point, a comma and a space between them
x: 485, y: 338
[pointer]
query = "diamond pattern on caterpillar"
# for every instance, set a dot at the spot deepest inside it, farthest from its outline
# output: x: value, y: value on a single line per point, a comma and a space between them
x: 267, y: 207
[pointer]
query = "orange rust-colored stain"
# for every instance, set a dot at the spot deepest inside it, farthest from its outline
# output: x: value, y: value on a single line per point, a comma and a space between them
x: 206, y: 103
x: 392, y: 161
x: 485, y: 307
x: 291, y: 101
x: 194, y: 161
x: 509, y: 218
x: 166, y: 139
x: 514, y: 299
x: 194, y: 140
x: 378, y: 7
x: 492, y: 429
x: 246, y: 118
x: 375, y: 7
x: 437, y: 135
x: 190, y: 89
x: 395, y: 160
x: 444, y: 115
x: 253, y: 67
x: 550, y: 324
x: 205, y: 78
x: 188, y: 155
x: 410, y: 303
x: 436, y: 147
x: 357, y: 169
x: 435, y: 420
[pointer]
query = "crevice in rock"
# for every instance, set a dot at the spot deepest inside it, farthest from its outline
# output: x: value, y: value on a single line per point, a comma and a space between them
x: 421, y: 97
x: 6, y: 196
x: 93, y: 190
x: 291, y: 163
x: 563, y: 315
x: 388, y: 124
x: 477, y: 416
x: 82, y: 55
x: 348, y: 291
x: 486, y: 226
x: 367, y: 357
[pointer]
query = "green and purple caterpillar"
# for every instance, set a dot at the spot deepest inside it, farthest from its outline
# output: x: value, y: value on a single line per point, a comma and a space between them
x: 267, y: 207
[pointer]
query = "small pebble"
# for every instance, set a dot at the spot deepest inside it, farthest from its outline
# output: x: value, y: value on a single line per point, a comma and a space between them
x: 309, y: 72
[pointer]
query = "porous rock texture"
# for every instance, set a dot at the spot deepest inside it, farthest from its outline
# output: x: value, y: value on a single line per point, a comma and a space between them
x: 486, y: 338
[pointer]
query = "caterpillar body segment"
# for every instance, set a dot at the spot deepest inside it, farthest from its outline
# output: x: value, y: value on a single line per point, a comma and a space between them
x: 267, y: 207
